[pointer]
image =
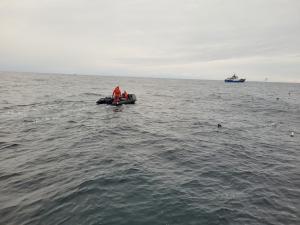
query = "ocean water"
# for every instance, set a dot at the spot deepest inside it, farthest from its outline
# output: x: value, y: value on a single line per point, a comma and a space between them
x: 66, y: 160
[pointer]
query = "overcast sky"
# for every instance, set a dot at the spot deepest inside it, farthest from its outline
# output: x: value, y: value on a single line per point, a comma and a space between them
x: 206, y: 39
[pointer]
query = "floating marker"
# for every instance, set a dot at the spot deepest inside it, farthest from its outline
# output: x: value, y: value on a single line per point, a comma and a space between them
x: 292, y: 134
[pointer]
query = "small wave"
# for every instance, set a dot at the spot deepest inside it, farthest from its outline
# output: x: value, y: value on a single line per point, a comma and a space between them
x: 63, y: 101
x: 91, y: 94
x: 215, y: 96
x: 5, y: 146
x: 7, y: 176
x: 29, y: 120
x: 20, y: 106
x: 29, y: 129
x: 72, y: 121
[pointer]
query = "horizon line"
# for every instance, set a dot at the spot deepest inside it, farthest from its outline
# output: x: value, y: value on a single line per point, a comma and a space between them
x: 135, y: 76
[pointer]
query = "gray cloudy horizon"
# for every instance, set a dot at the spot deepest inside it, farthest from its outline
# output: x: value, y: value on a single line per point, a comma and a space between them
x: 205, y: 39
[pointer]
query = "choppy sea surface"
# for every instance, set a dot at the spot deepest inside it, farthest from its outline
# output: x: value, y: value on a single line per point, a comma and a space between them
x: 66, y: 160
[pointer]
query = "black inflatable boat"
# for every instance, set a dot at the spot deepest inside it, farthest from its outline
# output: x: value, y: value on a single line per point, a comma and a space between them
x: 110, y: 101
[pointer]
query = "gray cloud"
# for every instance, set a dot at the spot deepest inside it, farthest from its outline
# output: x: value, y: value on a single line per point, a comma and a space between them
x: 198, y: 39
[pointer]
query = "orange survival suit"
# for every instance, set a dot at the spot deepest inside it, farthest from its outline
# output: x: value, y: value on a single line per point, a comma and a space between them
x: 117, y: 94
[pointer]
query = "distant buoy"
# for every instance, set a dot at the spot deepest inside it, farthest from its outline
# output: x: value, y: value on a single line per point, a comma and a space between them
x: 292, y: 134
x: 277, y: 99
x: 219, y: 125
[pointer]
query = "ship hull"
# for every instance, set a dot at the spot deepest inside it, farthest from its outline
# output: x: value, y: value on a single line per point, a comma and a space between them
x: 235, y: 81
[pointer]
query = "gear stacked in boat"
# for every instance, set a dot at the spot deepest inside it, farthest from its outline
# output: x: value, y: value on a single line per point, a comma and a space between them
x: 110, y: 101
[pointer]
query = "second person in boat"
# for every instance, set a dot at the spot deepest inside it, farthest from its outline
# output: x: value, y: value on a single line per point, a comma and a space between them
x: 125, y: 95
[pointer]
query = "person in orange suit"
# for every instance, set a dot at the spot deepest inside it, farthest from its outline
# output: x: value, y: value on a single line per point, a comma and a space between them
x: 116, y: 94
x: 125, y: 95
